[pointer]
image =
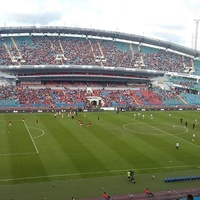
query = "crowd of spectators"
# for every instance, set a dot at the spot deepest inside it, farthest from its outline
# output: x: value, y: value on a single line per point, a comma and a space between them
x: 47, y: 50
x: 163, y: 60
x: 185, y: 82
x: 118, y: 96
x: 169, y: 97
x: 50, y: 50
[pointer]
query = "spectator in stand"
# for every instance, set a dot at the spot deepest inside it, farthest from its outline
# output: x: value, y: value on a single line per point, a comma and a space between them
x: 147, y: 191
x: 190, y: 197
x: 106, y: 197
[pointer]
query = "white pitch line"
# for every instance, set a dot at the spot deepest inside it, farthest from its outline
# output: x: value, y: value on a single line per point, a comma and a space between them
x: 124, y: 126
x: 31, y: 138
x: 177, y: 193
x: 164, y: 132
x: 39, y: 130
x: 16, y: 154
x: 90, y: 173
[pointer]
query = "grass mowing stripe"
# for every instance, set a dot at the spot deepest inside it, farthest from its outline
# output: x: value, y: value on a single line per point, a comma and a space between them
x: 165, y: 132
x: 125, y: 151
x: 73, y: 140
x: 176, y: 156
x: 52, y: 162
x: 99, y: 172
x: 100, y: 149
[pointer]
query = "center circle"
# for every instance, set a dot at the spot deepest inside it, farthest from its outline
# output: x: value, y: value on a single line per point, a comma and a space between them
x: 155, y: 129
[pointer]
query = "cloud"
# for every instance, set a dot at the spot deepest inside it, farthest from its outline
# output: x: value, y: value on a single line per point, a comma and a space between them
x: 170, y: 27
x: 30, y: 18
x: 169, y: 37
x: 42, y: 12
x: 165, y: 19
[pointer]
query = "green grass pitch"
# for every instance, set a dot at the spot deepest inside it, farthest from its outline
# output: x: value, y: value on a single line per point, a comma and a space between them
x: 56, y: 158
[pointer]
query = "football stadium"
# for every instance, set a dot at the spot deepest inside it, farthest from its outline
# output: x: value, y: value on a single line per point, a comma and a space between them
x: 95, y: 114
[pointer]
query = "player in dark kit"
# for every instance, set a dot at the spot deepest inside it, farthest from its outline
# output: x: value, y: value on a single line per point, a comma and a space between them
x: 10, y: 123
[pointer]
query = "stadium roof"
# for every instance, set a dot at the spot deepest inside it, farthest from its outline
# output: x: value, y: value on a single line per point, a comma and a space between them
x: 98, y: 33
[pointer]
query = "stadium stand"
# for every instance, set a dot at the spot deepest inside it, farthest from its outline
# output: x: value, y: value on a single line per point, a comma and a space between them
x: 40, y: 50
x: 56, y: 70
x: 42, y: 59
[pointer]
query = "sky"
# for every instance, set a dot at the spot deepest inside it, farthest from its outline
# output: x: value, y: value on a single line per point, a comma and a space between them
x: 169, y: 20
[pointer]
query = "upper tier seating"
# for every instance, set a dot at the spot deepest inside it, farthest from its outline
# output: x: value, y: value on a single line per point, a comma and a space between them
x: 43, y: 50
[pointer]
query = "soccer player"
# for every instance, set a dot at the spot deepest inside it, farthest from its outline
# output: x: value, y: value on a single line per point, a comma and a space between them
x: 72, y: 117
x: 193, y: 136
x: 186, y: 124
x: 129, y: 175
x: 89, y: 124
x: 10, y: 123
x: 177, y: 145
x: 80, y: 122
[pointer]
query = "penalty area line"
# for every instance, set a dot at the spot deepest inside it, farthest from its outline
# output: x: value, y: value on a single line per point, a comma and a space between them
x: 31, y: 138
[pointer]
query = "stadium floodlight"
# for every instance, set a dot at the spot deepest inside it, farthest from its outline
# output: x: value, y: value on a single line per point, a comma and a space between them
x: 196, y: 33
x: 196, y: 19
